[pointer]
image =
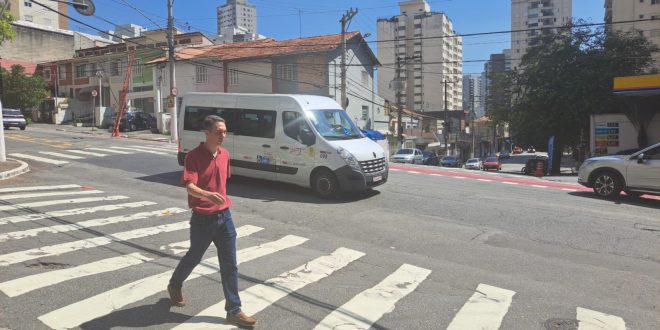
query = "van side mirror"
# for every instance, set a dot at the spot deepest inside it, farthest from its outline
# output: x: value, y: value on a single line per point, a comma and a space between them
x: 307, y: 136
x: 642, y: 157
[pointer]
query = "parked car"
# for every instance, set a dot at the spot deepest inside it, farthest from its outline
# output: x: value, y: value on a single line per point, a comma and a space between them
x: 635, y: 174
x: 473, y: 164
x: 408, y: 155
x: 517, y: 150
x: 531, y: 149
x: 13, y: 118
x: 137, y: 121
x: 504, y: 155
x: 108, y: 120
x: 449, y: 161
x: 430, y: 158
x: 492, y: 163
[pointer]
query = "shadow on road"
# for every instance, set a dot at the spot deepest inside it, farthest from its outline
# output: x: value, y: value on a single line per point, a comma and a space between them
x: 622, y: 199
x: 169, y: 178
x: 138, y: 317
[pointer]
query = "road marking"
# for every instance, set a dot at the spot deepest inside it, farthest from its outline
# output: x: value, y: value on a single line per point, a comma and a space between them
x: 460, y: 177
x: 508, y: 182
x: 107, y: 302
x: 593, y: 320
x: 369, y: 306
x: 142, y: 150
x: 179, y: 247
x: 256, y: 298
x: 78, y: 211
x: 485, y: 180
x: 568, y: 189
x: 51, y: 250
x: 48, y: 194
x: 484, y: 310
x: 151, y: 148
x: 26, y: 284
x: 394, y: 169
x: 37, y: 188
x: 87, y: 153
x: 87, y: 224
x: 59, y: 154
x: 414, y: 172
x: 39, y: 159
x: 538, y: 186
x: 61, y: 201
x: 435, y: 174
x: 112, y: 151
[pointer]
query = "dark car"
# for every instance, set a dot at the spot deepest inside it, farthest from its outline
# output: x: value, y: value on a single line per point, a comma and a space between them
x: 504, y: 155
x: 13, y: 118
x: 430, y: 158
x: 449, y: 161
x: 492, y: 163
x: 108, y: 120
x: 137, y: 121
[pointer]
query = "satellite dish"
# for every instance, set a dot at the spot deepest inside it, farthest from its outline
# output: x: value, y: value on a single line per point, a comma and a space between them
x: 84, y: 7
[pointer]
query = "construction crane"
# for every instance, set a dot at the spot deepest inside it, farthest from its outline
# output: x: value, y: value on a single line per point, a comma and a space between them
x: 123, y: 94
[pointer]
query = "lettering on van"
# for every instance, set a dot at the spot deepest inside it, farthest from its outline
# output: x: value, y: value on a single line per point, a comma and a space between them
x: 324, y: 154
x: 295, y: 151
x: 265, y: 160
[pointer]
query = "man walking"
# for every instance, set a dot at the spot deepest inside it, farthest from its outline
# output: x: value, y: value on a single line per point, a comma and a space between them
x: 205, y: 175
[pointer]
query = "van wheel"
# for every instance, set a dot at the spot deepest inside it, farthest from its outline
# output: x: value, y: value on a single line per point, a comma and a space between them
x: 325, y: 184
x: 607, y: 184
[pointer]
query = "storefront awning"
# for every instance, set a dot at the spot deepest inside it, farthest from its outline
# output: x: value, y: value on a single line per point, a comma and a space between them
x: 637, y: 85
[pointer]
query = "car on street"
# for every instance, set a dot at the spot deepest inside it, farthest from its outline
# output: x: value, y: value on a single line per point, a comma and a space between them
x: 108, y: 120
x: 504, y: 155
x: 531, y: 149
x: 137, y: 121
x: 492, y: 163
x: 473, y: 164
x: 635, y: 174
x: 408, y: 155
x: 449, y: 161
x: 13, y: 118
x: 430, y: 158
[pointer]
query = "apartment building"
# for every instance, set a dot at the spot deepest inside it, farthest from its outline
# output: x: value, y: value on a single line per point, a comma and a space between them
x: 430, y: 54
x: 26, y: 10
x: 628, y: 10
x: 235, y: 14
x: 474, y: 94
x: 530, y: 14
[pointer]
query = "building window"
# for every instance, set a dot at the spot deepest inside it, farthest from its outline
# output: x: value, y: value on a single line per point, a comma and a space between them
x: 91, y: 69
x: 61, y: 72
x: 655, y: 2
x: 114, y: 68
x: 137, y: 68
x: 233, y: 77
x: 28, y: 18
x: 365, y: 112
x: 365, y: 78
x: 81, y: 71
x: 284, y: 71
x: 46, y: 74
x: 27, y: 3
x: 200, y: 74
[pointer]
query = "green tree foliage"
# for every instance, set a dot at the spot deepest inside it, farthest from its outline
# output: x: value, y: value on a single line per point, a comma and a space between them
x: 566, y: 76
x: 21, y: 91
x: 7, y: 31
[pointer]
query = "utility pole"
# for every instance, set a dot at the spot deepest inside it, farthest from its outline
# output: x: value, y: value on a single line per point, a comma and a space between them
x: 345, y: 21
x: 171, y: 104
x: 445, y: 131
x: 398, y: 87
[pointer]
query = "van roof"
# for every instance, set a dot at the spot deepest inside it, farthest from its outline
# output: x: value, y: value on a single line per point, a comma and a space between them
x: 305, y: 101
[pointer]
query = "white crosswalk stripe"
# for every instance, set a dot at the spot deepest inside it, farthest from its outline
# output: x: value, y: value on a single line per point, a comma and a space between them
x: 86, y: 224
x: 105, y: 303
x: 112, y: 151
x: 142, y: 150
x: 370, y: 305
x: 87, y: 153
x: 485, y: 309
x: 183, y: 246
x: 593, y: 320
x: 78, y: 211
x: 256, y: 298
x: 38, y: 188
x: 49, y: 194
x: 39, y: 159
x: 59, y: 154
x: 60, y: 202
x: 153, y: 148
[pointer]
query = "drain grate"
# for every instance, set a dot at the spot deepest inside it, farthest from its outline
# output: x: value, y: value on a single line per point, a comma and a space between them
x: 561, y: 324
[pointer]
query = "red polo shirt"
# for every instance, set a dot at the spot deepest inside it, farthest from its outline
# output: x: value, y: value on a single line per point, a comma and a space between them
x: 208, y: 173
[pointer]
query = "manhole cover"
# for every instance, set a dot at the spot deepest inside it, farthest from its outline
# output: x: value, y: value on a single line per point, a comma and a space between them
x: 561, y: 324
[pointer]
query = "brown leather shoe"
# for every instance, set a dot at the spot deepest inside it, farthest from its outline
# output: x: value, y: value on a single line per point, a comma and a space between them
x: 241, y: 319
x: 176, y: 297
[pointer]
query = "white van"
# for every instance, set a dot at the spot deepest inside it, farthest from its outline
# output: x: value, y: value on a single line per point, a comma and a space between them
x: 301, y: 139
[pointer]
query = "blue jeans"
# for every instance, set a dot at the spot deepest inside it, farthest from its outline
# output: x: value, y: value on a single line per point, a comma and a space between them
x: 219, y: 229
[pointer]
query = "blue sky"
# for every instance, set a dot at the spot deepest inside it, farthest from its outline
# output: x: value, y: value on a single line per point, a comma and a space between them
x: 286, y: 19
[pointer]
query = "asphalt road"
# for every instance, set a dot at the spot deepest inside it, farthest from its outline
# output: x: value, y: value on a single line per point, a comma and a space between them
x: 433, y: 248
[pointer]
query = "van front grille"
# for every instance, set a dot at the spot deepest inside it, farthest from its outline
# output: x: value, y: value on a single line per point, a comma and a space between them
x: 372, y: 166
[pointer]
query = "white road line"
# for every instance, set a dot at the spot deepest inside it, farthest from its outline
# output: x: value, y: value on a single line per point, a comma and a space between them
x: 141, y: 150
x: 61, y: 201
x: 78, y: 211
x: 30, y: 283
x: 179, y: 247
x: 39, y: 159
x: 59, y: 154
x: 568, y: 189
x: 151, y: 148
x: 508, y: 182
x: 370, y: 305
x: 395, y: 169
x: 485, y: 180
x: 51, y: 250
x: 414, y: 172
x: 258, y: 297
x: 435, y: 174
x: 460, y: 177
x: 593, y: 320
x: 48, y: 194
x: 107, y: 302
x: 111, y: 151
x: 87, y: 224
x: 485, y: 309
x: 37, y: 188
x: 87, y: 153
x: 538, y: 186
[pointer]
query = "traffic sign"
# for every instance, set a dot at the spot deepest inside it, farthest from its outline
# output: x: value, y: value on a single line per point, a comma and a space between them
x: 94, y: 93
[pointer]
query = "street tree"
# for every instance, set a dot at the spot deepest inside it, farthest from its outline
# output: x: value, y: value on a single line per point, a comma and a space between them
x: 566, y: 76
x: 7, y: 31
x: 22, y: 91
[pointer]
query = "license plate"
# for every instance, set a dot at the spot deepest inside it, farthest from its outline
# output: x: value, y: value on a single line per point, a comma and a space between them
x: 377, y: 178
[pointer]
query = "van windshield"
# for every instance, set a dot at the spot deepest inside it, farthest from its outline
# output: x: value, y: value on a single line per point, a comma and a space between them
x: 334, y: 124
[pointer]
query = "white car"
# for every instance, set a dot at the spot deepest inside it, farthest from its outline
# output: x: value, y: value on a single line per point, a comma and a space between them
x: 635, y: 174
x: 409, y: 155
x: 473, y: 164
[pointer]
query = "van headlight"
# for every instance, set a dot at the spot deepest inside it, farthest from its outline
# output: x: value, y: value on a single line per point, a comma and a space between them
x: 348, y: 158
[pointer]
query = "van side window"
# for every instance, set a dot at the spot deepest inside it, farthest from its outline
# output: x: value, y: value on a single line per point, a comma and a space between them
x: 195, y: 116
x: 257, y: 123
x: 291, y: 124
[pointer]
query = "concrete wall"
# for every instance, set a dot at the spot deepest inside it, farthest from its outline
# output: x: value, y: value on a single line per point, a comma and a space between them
x: 253, y: 77
x: 30, y: 45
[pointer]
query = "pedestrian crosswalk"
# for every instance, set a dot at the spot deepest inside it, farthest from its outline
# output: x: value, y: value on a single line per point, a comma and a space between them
x: 62, y: 157
x: 27, y: 217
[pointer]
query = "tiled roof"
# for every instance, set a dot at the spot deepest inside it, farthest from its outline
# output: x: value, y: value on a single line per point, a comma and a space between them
x: 262, y: 48
x: 29, y: 66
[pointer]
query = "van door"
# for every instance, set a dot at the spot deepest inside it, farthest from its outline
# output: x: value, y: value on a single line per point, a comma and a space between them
x: 254, y: 144
x: 295, y: 162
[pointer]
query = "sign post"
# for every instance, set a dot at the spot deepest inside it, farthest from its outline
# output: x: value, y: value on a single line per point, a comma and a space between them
x: 94, y: 93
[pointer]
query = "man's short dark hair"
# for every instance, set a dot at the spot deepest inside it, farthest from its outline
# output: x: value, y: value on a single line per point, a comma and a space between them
x: 210, y: 121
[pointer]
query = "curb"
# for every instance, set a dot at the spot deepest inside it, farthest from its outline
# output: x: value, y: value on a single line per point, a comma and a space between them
x: 23, y: 168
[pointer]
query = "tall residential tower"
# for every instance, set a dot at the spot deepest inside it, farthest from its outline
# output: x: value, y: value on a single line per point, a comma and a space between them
x: 237, y: 14
x: 626, y: 10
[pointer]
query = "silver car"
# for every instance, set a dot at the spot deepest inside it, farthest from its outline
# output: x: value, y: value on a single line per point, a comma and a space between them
x: 409, y: 155
x: 635, y: 174
x: 473, y: 164
x: 13, y: 118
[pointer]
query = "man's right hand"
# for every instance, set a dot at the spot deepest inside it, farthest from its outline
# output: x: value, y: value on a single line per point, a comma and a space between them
x: 215, y: 198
